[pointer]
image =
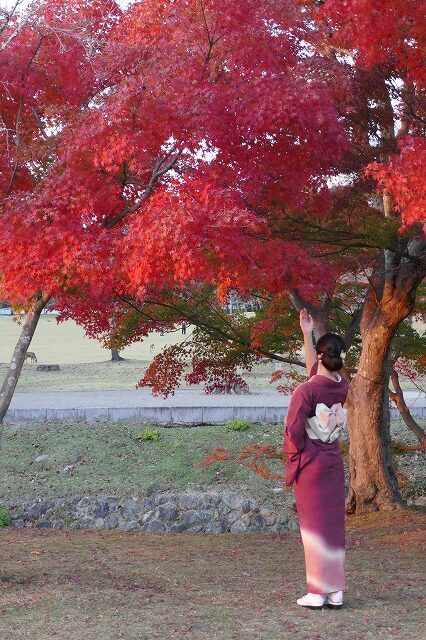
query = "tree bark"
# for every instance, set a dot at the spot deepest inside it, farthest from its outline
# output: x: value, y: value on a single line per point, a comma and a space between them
x: 320, y: 315
x: 115, y: 356
x: 18, y: 358
x: 389, y: 300
x: 373, y: 485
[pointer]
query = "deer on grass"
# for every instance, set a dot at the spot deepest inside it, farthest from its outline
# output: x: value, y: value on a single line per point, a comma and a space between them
x: 31, y: 355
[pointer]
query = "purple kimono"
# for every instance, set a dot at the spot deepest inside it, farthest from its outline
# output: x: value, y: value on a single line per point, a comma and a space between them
x: 316, y: 470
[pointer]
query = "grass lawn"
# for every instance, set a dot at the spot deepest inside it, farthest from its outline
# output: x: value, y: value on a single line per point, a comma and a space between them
x: 85, y: 364
x: 83, y: 585
x: 108, y: 459
x: 66, y: 342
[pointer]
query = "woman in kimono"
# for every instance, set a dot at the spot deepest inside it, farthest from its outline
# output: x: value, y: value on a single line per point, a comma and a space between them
x: 314, y: 465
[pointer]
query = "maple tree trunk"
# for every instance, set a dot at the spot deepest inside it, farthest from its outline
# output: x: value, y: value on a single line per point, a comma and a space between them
x: 373, y: 484
x: 18, y: 358
x: 397, y: 397
x: 115, y: 356
x: 390, y: 299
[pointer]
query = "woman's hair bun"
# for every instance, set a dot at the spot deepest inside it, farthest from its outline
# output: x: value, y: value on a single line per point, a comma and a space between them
x: 330, y: 346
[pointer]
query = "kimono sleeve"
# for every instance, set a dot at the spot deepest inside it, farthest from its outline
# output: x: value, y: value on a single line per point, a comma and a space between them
x: 298, y: 412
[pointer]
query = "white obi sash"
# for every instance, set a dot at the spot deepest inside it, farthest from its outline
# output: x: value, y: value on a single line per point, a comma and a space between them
x: 327, y: 423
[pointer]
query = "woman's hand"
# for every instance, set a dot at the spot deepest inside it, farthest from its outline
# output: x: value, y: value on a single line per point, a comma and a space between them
x: 306, y: 321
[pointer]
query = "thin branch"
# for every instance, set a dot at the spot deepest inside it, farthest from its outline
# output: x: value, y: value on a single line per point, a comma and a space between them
x: 21, y: 25
x: 161, y: 167
x: 8, y: 15
x: 41, y: 127
x: 17, y: 144
x: 213, y: 330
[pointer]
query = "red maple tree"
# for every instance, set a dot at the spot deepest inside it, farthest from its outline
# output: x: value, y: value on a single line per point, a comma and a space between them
x: 179, y: 145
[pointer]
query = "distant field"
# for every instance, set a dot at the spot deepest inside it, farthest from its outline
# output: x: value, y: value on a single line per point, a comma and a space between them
x: 86, y: 366
x: 66, y: 343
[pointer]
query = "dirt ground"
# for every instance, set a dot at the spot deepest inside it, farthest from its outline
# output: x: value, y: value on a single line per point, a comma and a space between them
x: 83, y: 585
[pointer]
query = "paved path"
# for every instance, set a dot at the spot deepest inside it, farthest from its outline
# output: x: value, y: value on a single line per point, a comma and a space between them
x: 143, y: 397
x: 185, y: 407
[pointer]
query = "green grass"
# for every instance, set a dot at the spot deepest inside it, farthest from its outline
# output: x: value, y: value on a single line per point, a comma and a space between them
x: 113, y: 586
x: 5, y: 518
x: 238, y: 425
x: 109, y: 459
x: 148, y: 435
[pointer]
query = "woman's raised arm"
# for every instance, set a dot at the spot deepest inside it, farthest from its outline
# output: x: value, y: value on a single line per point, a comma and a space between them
x: 307, y: 326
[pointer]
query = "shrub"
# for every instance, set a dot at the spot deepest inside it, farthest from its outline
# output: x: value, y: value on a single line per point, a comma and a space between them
x: 5, y: 518
x: 238, y: 425
x: 148, y: 435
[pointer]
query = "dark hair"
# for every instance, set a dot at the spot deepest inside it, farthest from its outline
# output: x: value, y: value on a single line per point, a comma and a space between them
x: 331, y: 345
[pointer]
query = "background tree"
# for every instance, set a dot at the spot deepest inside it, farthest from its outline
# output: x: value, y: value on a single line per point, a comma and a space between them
x: 43, y: 49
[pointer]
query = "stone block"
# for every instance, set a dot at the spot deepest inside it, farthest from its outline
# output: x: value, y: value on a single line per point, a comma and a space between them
x: 239, y: 527
x: 253, y: 414
x: 155, y: 526
x: 166, y: 497
x: 131, y: 510
x: 216, y: 526
x: 94, y: 414
x: 167, y: 512
x: 130, y: 526
x: 274, y: 415
x: 111, y: 521
x: 162, y: 415
x: 191, y: 520
x: 186, y: 415
x: 191, y: 500
x: 149, y: 515
x: 48, y: 367
x: 124, y: 413
x: 217, y: 415
x: 232, y: 499
x: 63, y: 415
x: 27, y: 415
x: 293, y: 525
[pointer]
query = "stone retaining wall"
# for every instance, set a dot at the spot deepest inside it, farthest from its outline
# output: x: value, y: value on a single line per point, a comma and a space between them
x: 209, y: 512
x: 168, y: 415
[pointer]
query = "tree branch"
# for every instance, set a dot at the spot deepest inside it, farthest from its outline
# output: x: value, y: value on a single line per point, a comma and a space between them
x: 161, y: 167
x: 212, y: 330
